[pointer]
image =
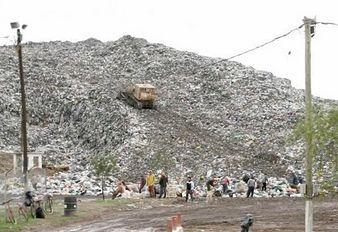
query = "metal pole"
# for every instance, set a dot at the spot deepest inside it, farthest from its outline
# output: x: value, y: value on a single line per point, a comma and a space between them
x: 308, y: 125
x: 23, y: 111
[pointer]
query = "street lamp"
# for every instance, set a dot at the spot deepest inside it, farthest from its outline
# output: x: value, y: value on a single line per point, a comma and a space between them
x: 16, y: 25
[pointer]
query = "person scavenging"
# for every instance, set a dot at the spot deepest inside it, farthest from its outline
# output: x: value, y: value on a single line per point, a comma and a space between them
x: 120, y: 189
x: 225, y: 184
x: 190, y: 189
x: 210, y: 188
x: 251, y: 187
x: 151, y: 184
x: 142, y: 183
x: 264, y: 182
x: 163, y: 184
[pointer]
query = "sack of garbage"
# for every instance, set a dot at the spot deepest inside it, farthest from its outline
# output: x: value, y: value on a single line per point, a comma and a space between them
x: 126, y: 194
x: 240, y: 187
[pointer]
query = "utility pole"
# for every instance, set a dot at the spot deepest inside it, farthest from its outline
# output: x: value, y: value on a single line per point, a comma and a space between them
x: 24, y: 142
x: 309, y: 32
x: 23, y: 111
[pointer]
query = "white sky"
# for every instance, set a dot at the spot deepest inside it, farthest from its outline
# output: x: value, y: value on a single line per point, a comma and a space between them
x: 213, y: 28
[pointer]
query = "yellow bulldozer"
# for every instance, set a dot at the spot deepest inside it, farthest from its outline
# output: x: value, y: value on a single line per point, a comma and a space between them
x: 140, y: 96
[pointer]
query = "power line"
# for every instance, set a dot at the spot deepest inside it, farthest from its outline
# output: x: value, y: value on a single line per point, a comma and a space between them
x: 266, y: 43
x: 250, y: 50
x: 271, y: 41
x: 327, y: 23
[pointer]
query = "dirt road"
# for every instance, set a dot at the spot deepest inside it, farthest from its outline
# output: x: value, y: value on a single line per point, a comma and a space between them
x: 274, y: 214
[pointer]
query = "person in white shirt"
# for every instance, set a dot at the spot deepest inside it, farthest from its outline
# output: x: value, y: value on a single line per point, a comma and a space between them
x: 251, y: 187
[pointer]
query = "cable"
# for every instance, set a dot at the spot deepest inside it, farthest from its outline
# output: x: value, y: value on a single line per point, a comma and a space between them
x: 271, y: 41
x: 250, y: 50
x: 327, y: 23
x: 266, y: 43
x: 262, y: 45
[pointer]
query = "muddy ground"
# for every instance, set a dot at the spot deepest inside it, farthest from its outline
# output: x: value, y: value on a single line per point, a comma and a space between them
x: 225, y: 214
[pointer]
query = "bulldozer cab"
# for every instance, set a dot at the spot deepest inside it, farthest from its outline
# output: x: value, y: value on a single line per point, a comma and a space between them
x: 140, y: 96
x: 144, y: 92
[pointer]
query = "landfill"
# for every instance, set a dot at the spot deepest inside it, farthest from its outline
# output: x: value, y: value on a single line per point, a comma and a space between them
x: 210, y: 113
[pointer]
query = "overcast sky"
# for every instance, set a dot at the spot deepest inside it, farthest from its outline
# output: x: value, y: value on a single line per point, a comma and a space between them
x: 217, y: 28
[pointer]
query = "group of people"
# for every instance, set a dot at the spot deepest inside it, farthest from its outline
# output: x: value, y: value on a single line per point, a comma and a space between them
x: 148, y: 181
x: 253, y: 183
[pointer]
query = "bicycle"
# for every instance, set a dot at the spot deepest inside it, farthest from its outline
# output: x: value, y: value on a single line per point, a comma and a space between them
x: 48, y: 204
x: 42, y: 205
x: 35, y: 206
x: 22, y: 211
x: 10, y: 217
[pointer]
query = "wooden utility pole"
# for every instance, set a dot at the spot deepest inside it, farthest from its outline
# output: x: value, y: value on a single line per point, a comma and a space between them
x: 23, y: 110
x: 308, y: 23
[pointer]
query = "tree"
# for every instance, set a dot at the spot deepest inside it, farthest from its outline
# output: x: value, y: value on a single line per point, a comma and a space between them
x: 103, y: 166
x: 325, y: 139
x: 161, y: 161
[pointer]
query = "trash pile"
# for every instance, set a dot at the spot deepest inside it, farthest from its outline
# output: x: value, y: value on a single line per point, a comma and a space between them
x: 210, y: 113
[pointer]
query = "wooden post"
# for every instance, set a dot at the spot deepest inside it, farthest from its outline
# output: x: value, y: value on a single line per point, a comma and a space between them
x: 308, y: 125
x: 23, y: 111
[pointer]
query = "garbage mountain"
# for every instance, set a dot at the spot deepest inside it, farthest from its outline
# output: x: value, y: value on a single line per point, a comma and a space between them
x: 210, y: 114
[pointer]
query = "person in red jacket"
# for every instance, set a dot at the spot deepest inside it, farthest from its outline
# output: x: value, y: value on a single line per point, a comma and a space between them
x: 225, y: 184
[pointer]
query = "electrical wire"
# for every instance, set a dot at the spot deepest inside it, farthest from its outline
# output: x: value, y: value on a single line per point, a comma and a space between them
x: 250, y: 50
x: 327, y: 23
x: 271, y: 41
x: 266, y: 43
x: 262, y: 45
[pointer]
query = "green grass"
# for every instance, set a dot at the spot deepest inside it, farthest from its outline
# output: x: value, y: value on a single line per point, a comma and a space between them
x: 57, y: 219
x: 19, y: 226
